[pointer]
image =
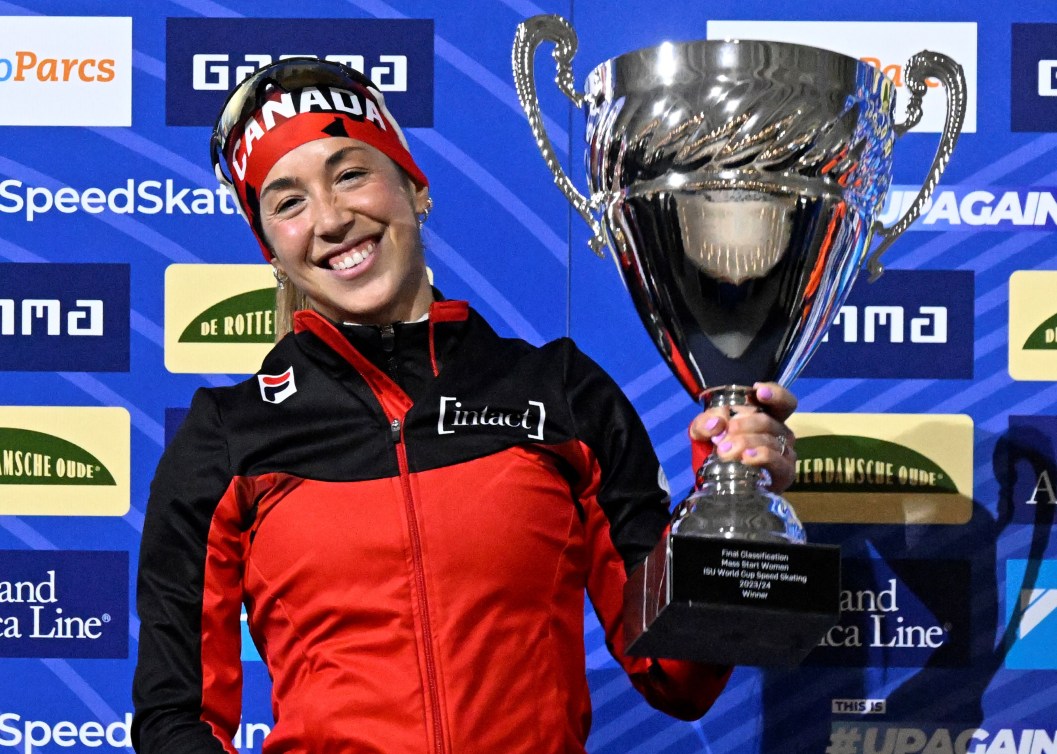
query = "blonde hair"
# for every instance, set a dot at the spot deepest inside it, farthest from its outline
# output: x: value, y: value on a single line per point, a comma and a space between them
x: 288, y: 300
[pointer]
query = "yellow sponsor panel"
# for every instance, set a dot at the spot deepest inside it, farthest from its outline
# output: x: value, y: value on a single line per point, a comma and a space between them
x: 219, y: 318
x: 883, y: 468
x: 1033, y: 325
x: 64, y: 461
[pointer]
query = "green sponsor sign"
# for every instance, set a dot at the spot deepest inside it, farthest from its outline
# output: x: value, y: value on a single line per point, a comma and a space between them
x: 1044, y: 338
x: 246, y: 318
x: 30, y: 457
x: 849, y: 463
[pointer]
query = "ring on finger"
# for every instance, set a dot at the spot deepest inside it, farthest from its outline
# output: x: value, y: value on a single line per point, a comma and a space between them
x: 783, y: 446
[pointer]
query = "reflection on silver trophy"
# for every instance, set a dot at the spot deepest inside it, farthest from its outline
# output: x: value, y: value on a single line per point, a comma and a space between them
x: 737, y: 184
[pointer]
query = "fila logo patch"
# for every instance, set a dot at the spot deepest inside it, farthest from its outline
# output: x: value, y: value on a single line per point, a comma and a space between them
x: 276, y: 388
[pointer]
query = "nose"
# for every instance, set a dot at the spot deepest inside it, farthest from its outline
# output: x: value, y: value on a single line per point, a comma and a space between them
x: 333, y: 218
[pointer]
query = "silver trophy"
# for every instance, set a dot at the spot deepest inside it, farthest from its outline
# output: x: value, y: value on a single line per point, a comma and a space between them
x: 738, y: 184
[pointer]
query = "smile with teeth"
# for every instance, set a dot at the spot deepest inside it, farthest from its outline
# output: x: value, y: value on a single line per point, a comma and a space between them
x: 352, y: 259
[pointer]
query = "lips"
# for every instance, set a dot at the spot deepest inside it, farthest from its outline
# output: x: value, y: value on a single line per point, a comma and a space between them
x: 353, y: 256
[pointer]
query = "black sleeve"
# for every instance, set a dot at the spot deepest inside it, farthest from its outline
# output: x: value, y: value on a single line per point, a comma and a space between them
x: 633, y: 491
x: 626, y: 505
x: 187, y: 686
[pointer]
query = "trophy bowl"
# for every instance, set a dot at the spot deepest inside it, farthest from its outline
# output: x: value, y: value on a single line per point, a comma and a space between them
x: 737, y: 184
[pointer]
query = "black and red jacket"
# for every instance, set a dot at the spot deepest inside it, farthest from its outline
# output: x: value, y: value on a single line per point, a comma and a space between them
x: 414, y: 573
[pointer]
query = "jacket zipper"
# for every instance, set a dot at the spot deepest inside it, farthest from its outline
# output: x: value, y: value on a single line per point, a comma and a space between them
x: 397, y: 434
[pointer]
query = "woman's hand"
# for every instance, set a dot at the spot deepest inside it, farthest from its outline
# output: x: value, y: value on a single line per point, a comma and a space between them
x: 756, y: 438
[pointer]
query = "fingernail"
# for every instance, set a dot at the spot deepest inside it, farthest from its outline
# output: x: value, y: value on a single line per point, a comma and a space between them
x: 712, y: 423
x: 766, y: 393
x: 725, y: 447
x: 751, y: 453
x: 719, y: 437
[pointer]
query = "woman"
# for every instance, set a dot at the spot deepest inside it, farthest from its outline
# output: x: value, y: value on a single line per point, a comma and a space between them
x: 409, y: 505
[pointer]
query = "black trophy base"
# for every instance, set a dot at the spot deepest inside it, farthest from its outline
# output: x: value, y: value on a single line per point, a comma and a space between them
x: 732, y: 602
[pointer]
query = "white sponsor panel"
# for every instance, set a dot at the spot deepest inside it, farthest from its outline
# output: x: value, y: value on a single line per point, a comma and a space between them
x: 65, y: 71
x: 886, y: 44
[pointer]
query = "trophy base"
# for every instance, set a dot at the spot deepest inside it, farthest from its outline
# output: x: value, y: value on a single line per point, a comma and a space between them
x: 730, y: 601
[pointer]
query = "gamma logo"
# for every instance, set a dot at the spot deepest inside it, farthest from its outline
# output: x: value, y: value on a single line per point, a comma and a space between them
x: 206, y: 57
x: 1031, y: 604
x: 63, y: 604
x: 1033, y: 325
x: 219, y: 318
x: 65, y: 71
x: 64, y: 461
x: 907, y: 325
x: 1033, y: 84
x: 883, y: 468
x: 74, y: 322
x: 886, y: 45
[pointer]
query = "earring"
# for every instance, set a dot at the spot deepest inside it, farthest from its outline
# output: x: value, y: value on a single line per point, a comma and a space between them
x: 280, y: 278
x: 424, y: 215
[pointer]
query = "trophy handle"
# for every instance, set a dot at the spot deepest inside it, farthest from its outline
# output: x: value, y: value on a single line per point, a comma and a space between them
x: 918, y: 68
x: 531, y: 33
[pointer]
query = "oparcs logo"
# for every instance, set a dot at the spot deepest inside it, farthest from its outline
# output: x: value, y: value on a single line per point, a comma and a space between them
x: 28, y: 66
x: 218, y: 72
x: 894, y: 71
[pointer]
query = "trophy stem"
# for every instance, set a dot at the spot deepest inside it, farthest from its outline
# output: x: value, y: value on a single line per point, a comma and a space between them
x: 733, y: 580
x: 730, y: 477
x: 732, y: 500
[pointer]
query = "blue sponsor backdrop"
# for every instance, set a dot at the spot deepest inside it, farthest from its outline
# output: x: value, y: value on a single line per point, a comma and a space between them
x: 76, y: 321
x: 63, y: 604
x: 504, y: 238
x: 1034, y: 89
x: 205, y: 57
x: 908, y: 324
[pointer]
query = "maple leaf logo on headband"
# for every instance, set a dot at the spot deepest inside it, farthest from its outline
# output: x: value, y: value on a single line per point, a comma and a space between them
x: 337, y: 128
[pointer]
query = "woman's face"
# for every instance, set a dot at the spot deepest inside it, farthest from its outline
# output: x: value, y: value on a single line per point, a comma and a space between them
x: 340, y: 218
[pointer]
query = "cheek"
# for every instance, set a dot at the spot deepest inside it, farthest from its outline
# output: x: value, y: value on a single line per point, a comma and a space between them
x: 284, y: 238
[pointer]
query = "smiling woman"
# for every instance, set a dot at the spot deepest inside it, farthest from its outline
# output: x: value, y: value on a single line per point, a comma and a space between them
x: 409, y: 506
x: 340, y: 218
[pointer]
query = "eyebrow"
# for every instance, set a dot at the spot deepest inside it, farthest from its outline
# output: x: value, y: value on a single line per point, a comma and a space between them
x: 340, y: 155
x: 277, y: 185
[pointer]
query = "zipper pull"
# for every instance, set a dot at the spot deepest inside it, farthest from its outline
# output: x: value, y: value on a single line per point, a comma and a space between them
x: 394, y: 431
x: 388, y: 338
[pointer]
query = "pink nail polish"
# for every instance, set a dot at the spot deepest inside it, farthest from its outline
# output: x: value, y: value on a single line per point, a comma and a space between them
x: 766, y: 393
x: 712, y: 423
x: 751, y: 453
x: 719, y: 437
x: 725, y: 447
